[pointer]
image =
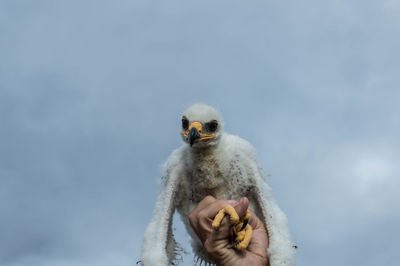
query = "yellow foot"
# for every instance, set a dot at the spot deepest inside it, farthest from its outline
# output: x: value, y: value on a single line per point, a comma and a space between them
x: 234, y: 217
x: 242, y: 231
x: 243, y: 238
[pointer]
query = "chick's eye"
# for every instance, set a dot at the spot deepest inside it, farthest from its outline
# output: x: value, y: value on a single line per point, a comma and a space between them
x: 212, y: 126
x: 185, y: 124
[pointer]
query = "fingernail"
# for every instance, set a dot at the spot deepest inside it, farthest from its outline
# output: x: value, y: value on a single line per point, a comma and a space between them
x: 242, y: 200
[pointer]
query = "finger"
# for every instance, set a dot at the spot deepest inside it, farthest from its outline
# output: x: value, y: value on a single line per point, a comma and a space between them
x: 195, y: 217
x: 255, y: 221
x: 241, y: 207
x: 260, y: 240
x: 203, y: 203
x: 212, y: 209
x: 201, y: 217
x: 207, y: 214
x: 260, y: 237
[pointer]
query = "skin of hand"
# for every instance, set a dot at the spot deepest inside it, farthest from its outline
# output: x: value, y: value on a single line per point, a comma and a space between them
x: 217, y: 244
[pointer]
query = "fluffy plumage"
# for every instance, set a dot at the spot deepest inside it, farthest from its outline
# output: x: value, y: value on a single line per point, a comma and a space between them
x: 224, y: 166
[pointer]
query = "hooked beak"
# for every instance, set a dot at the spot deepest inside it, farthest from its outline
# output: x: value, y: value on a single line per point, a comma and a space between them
x: 195, y: 133
x: 193, y: 136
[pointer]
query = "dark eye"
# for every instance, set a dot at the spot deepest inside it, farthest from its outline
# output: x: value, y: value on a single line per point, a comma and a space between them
x: 185, y: 123
x: 212, y: 126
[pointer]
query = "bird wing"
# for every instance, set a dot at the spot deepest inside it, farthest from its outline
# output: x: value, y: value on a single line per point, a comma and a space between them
x: 281, y: 249
x: 159, y: 246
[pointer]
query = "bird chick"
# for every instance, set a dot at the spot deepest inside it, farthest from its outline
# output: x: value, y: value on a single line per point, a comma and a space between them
x: 212, y: 162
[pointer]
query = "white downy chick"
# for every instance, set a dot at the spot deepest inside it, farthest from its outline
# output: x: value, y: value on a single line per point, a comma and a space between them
x: 215, y: 163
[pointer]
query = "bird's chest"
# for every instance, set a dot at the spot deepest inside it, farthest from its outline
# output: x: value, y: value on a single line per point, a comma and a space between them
x: 206, y: 179
x: 211, y: 177
x: 207, y: 176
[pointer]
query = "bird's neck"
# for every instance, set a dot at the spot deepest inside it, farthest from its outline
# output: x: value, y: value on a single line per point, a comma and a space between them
x: 203, y: 152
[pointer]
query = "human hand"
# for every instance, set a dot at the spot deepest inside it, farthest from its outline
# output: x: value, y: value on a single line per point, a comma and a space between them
x: 217, y: 244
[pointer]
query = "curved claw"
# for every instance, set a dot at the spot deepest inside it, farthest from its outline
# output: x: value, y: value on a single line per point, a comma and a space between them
x: 245, y: 220
x: 242, y: 231
x: 243, y: 244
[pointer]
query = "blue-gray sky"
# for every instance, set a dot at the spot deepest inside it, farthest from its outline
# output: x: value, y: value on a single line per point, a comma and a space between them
x: 91, y: 94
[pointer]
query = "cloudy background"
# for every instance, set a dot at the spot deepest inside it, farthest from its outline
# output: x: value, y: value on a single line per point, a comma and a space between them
x: 91, y: 94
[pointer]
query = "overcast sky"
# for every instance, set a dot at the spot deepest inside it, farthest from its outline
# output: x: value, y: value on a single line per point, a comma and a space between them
x: 91, y: 94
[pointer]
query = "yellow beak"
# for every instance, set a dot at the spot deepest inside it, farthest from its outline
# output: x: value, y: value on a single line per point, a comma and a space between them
x: 195, y: 132
x: 197, y: 125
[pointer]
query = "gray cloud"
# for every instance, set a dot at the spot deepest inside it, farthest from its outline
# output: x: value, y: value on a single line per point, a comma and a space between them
x: 90, y: 98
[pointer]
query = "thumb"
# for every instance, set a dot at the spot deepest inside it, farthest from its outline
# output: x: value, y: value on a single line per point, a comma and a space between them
x: 242, y: 207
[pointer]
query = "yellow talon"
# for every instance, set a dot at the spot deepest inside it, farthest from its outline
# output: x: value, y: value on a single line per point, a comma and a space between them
x: 240, y: 235
x: 218, y: 218
x: 247, y: 215
x: 242, y: 231
x: 232, y: 213
x: 234, y: 217
x: 248, y: 232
